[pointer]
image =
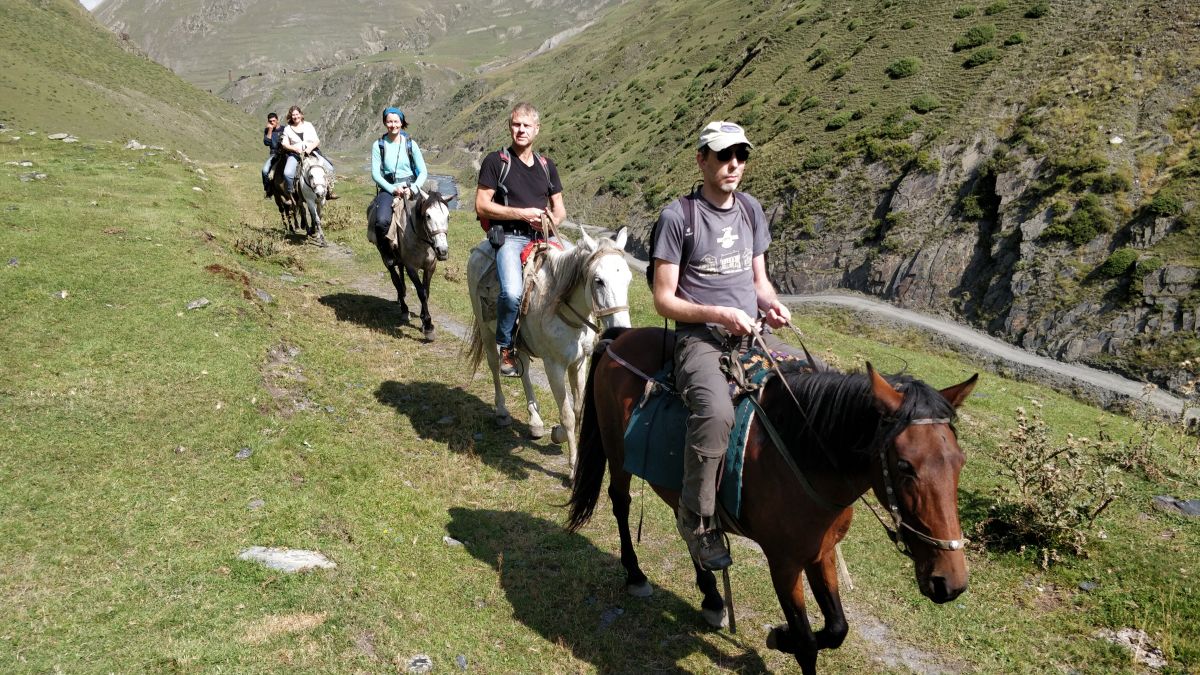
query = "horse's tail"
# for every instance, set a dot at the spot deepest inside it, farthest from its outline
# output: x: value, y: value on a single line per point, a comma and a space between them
x: 475, y: 347
x: 590, y: 462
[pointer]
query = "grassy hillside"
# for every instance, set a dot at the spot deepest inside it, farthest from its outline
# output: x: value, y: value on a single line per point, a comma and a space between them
x: 60, y: 71
x: 126, y: 504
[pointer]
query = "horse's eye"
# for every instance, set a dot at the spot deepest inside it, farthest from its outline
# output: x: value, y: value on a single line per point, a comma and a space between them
x: 904, y: 467
x: 599, y: 281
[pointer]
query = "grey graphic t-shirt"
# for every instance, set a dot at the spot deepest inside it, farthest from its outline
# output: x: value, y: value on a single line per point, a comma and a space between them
x: 724, y: 244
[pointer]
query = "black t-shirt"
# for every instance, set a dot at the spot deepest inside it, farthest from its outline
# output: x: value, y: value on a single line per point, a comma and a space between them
x: 528, y: 186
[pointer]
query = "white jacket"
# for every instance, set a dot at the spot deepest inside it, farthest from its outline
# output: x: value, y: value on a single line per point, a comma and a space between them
x: 292, y: 136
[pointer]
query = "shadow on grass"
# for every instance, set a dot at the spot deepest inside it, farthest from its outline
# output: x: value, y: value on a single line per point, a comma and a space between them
x: 369, y: 311
x: 451, y: 415
x: 570, y: 592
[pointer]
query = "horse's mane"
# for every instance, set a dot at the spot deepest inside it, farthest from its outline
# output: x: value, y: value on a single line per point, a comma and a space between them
x: 837, y: 419
x: 564, y: 270
x: 430, y: 198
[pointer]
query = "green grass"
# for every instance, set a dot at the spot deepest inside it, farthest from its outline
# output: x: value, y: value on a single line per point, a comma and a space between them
x: 124, y: 507
x: 64, y: 73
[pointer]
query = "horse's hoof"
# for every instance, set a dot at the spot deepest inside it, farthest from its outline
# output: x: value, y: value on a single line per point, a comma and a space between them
x: 537, y: 432
x: 715, y: 618
x: 558, y: 434
x: 642, y: 590
x: 779, y: 639
x: 503, y: 420
x: 405, y: 317
x: 428, y: 335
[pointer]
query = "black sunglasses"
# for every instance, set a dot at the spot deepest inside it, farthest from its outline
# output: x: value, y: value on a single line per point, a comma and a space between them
x: 742, y: 152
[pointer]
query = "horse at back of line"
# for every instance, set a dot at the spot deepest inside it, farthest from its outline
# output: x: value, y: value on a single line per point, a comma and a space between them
x: 804, y: 466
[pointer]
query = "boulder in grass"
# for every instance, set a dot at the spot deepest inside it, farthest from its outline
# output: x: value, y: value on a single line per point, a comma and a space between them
x: 288, y: 560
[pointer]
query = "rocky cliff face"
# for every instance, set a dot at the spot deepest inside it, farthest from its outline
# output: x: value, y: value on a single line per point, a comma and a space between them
x: 1082, y: 251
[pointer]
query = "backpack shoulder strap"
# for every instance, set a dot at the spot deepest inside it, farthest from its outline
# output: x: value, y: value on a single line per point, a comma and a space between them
x: 501, y: 188
x: 743, y: 201
x: 412, y: 163
x: 546, y: 170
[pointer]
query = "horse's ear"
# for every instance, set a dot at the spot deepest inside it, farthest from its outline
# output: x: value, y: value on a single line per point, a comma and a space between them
x: 959, y: 392
x: 887, y: 399
x: 622, y: 235
x: 446, y: 199
x: 585, y: 238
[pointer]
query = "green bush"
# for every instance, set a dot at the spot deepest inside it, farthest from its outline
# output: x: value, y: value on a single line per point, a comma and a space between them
x: 908, y: 23
x: 996, y: 7
x: 1109, y: 183
x: 817, y: 159
x: 745, y: 98
x: 790, y: 97
x: 1118, y: 263
x: 809, y: 103
x: 840, y: 71
x: 1049, y: 494
x: 1038, y: 9
x: 818, y: 57
x: 904, y: 67
x: 928, y: 163
x: 964, y: 11
x: 1089, y: 219
x: 974, y: 37
x: 1166, y: 204
x: 1014, y: 39
x: 981, y: 56
x: 971, y: 209
x: 837, y: 121
x: 854, y: 23
x: 924, y: 103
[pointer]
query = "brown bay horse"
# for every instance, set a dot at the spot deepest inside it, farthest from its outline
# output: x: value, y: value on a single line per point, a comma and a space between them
x: 843, y: 434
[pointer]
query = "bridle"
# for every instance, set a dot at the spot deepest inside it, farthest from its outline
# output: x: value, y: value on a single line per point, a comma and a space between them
x: 424, y: 231
x: 593, y: 311
x: 896, y: 534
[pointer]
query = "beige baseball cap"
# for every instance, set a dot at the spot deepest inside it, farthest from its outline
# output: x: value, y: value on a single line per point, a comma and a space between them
x: 721, y: 135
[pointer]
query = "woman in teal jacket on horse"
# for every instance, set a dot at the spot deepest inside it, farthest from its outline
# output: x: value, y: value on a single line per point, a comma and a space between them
x: 398, y: 170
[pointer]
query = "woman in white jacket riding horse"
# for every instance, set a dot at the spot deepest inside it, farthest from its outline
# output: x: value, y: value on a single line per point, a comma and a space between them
x: 300, y: 139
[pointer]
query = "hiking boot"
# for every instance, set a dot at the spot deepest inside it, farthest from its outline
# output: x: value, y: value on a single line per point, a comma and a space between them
x: 331, y: 196
x: 509, y: 362
x: 707, y: 545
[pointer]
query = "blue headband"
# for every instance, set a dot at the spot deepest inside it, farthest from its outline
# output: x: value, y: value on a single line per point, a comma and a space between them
x: 393, y: 111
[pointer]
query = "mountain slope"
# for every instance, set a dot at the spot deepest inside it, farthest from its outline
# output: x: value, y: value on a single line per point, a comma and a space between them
x: 948, y: 157
x: 273, y: 36
x: 62, y: 71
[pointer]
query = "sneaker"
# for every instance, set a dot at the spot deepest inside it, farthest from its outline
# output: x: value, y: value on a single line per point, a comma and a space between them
x: 330, y: 196
x: 707, y: 545
x: 508, y: 362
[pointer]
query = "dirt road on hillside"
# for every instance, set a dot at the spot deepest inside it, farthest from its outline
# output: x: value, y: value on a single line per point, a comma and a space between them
x: 1096, y: 386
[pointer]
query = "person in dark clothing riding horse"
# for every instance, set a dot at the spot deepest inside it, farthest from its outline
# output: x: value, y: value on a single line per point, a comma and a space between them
x: 710, y: 277
x: 517, y: 189
x: 271, y: 135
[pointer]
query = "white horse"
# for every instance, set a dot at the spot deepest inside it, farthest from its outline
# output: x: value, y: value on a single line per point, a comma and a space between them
x: 569, y: 290
x: 314, y: 188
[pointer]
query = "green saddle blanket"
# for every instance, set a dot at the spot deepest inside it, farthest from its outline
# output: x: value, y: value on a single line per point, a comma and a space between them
x: 657, y: 431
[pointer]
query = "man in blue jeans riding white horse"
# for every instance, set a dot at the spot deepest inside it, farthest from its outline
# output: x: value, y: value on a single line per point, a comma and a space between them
x: 517, y: 189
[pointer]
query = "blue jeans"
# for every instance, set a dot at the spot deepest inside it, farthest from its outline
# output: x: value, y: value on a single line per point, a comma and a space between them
x: 508, y: 270
x: 289, y: 169
x: 266, y: 170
